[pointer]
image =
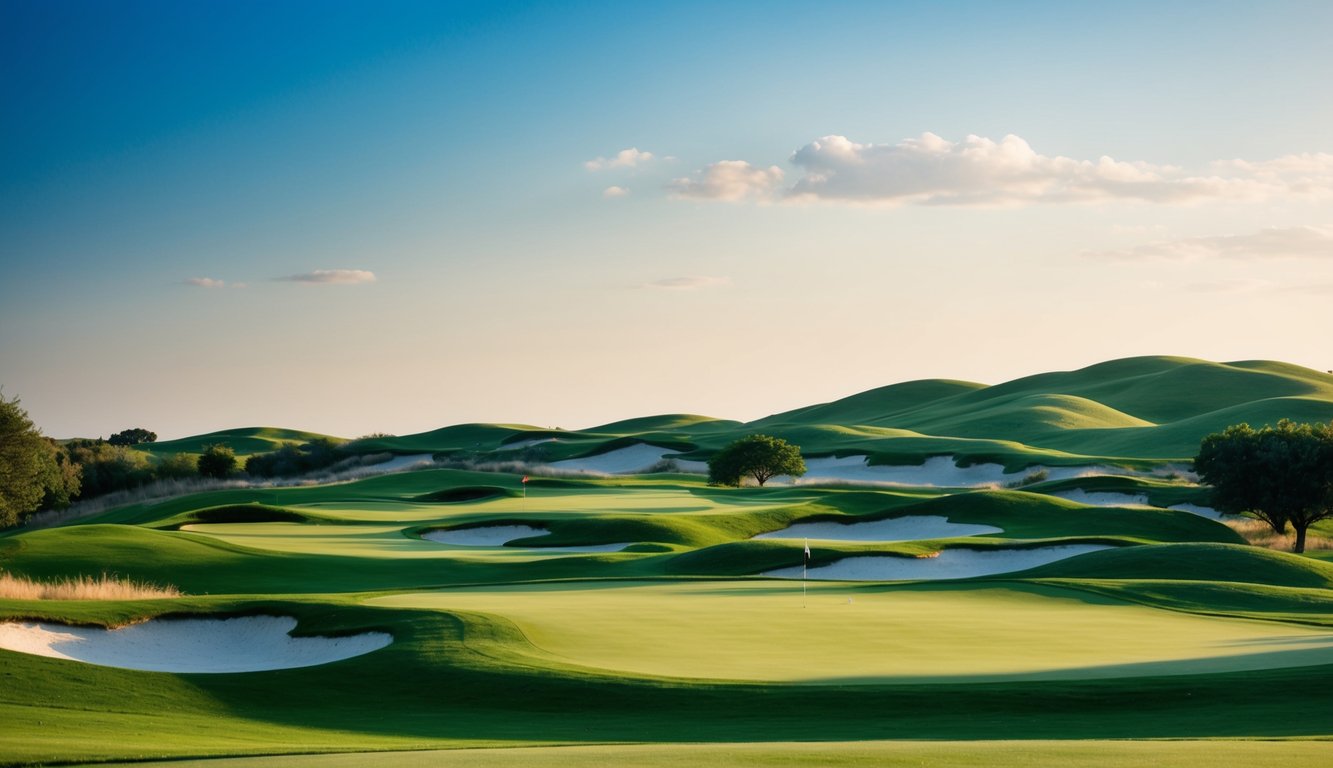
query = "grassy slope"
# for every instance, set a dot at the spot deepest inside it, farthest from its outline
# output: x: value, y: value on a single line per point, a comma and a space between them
x: 1131, y: 411
x: 244, y: 441
x: 859, y: 754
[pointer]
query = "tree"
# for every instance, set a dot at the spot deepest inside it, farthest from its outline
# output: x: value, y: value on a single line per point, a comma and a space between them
x: 64, y: 478
x: 133, y: 437
x: 217, y: 461
x: 27, y: 464
x: 177, y: 466
x: 758, y: 456
x: 1282, y: 475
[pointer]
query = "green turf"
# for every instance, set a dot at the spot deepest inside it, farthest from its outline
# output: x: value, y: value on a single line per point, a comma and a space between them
x: 948, y: 754
x: 773, y: 631
x: 673, y: 650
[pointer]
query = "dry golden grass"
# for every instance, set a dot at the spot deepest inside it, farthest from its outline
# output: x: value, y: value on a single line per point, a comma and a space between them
x: 1261, y: 534
x: 81, y: 588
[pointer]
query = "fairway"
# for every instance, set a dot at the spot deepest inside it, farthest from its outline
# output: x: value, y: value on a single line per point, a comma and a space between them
x: 863, y: 754
x: 767, y: 631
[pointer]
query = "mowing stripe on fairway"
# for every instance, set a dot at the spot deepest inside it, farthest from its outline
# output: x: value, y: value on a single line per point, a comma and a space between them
x: 760, y: 630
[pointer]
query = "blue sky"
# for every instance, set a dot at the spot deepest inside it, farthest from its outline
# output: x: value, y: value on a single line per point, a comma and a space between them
x: 351, y: 217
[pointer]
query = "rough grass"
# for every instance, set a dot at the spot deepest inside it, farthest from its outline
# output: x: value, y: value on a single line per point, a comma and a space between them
x: 104, y: 587
x: 1261, y: 534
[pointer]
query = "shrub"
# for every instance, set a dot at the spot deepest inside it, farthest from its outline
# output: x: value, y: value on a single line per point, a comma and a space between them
x: 217, y: 461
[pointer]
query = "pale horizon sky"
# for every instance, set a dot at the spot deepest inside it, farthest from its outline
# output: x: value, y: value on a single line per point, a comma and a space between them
x: 351, y: 217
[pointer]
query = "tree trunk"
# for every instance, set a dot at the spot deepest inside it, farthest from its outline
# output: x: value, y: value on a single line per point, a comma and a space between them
x: 1300, y: 538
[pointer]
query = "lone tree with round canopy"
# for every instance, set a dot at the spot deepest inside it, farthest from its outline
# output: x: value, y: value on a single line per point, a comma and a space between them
x: 1282, y: 475
x: 758, y: 456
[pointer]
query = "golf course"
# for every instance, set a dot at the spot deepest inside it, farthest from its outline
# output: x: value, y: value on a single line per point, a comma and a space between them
x: 1021, y: 574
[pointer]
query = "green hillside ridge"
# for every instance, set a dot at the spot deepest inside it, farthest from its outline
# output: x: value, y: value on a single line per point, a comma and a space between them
x: 1134, y: 412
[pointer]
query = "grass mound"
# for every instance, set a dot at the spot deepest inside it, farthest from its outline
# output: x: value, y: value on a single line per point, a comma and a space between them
x: 467, y: 493
x: 234, y: 513
x: 1196, y: 562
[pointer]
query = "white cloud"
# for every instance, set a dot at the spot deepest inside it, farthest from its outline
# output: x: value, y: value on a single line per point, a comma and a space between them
x: 730, y: 180
x: 625, y: 158
x: 206, y: 282
x: 614, y: 191
x: 331, y: 277
x: 1269, y: 243
x: 930, y: 170
x: 979, y: 171
x: 688, y: 283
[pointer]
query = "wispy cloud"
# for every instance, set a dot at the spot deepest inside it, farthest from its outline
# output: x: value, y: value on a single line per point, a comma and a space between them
x: 688, y: 283
x: 731, y: 181
x: 331, y: 277
x: 978, y: 171
x: 615, y: 191
x: 625, y: 158
x: 205, y: 282
x: 1269, y: 243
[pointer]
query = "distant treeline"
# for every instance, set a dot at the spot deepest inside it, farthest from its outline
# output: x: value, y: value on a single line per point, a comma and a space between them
x: 87, y: 468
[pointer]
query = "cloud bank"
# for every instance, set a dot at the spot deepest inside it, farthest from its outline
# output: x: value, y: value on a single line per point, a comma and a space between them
x: 331, y: 277
x: 977, y: 171
x: 205, y: 282
x: 1270, y: 243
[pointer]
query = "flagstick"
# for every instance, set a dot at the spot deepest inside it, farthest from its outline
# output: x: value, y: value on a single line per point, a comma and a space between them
x: 805, y: 564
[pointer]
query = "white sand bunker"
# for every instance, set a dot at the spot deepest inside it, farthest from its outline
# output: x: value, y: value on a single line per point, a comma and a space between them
x: 1111, y: 499
x: 1195, y: 509
x: 238, y: 644
x: 1103, y: 498
x: 624, y: 461
x: 501, y: 535
x: 519, y: 445
x: 948, y: 564
x: 913, y: 528
x: 938, y: 472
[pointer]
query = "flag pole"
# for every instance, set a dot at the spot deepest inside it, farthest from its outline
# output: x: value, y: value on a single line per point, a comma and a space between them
x: 805, y: 563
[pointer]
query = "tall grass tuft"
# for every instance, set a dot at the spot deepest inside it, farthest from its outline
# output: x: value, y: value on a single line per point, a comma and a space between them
x: 1261, y: 534
x: 104, y: 587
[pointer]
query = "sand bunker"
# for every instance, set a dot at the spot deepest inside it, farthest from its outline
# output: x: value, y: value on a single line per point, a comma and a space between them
x: 913, y: 528
x: 238, y: 644
x: 519, y: 445
x: 948, y: 564
x: 1103, y: 498
x: 624, y: 461
x: 1111, y: 499
x: 501, y: 535
x: 939, y: 472
x: 1195, y: 509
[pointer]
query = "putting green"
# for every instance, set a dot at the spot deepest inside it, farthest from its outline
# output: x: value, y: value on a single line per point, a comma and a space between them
x: 759, y: 631
x: 548, y: 502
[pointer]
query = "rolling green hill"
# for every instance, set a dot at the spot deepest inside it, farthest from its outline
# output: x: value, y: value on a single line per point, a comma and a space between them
x: 1134, y: 412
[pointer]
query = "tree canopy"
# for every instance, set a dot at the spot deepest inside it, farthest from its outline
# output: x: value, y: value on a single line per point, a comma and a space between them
x: 217, y: 461
x: 29, y: 471
x: 758, y: 456
x: 132, y: 437
x: 1282, y: 475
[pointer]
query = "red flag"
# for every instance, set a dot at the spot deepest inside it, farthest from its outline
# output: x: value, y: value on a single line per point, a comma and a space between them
x: 525, y: 479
